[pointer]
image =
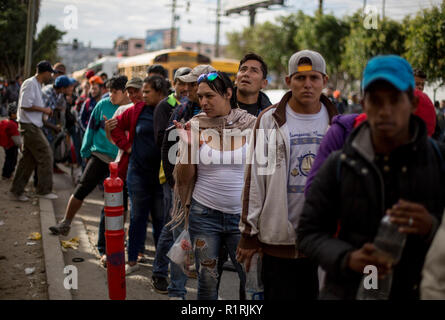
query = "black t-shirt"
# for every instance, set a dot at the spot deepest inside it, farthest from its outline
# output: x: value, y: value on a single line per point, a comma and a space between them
x: 251, y: 108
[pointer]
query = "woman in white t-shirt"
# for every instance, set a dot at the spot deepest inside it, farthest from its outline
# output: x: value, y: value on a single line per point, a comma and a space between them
x: 213, y: 186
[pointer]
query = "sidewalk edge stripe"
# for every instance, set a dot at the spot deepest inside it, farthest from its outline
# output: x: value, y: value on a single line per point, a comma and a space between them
x: 54, y: 262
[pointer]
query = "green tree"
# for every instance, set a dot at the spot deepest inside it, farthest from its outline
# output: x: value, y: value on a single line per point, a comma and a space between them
x: 425, y: 43
x: 273, y: 41
x: 276, y: 42
x: 12, y: 37
x: 324, y: 34
x: 45, y: 46
x: 13, y: 20
x: 362, y: 44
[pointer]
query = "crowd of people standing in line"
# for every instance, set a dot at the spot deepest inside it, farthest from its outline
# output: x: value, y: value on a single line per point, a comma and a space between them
x: 298, y: 182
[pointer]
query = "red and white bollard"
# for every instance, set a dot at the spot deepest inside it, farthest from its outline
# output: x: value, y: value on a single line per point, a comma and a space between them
x: 114, y: 234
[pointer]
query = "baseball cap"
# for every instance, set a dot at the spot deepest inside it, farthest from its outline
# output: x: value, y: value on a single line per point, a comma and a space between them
x: 63, y: 82
x: 317, y: 61
x: 96, y: 79
x: 134, y: 83
x: 425, y: 110
x: 89, y: 74
x: 45, y: 66
x: 182, y: 72
x: 196, y: 72
x: 391, y: 68
x: 59, y: 67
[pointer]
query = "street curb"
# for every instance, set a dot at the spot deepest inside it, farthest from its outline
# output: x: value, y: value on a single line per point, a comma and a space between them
x: 54, y: 262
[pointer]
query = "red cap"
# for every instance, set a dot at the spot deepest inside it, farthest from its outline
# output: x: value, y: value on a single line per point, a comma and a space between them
x: 113, y: 169
x: 89, y: 74
x: 425, y: 110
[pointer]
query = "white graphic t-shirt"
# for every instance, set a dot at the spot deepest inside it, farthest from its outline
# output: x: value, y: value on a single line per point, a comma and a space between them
x: 306, y: 132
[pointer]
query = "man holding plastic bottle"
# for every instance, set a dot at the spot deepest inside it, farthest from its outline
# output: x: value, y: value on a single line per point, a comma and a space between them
x: 388, y: 166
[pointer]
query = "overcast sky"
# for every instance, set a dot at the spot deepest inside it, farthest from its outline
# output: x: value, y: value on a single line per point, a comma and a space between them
x: 102, y: 21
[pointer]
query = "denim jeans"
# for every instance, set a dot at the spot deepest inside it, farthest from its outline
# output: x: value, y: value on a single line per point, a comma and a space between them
x: 146, y: 197
x: 160, y: 264
x: 168, y: 198
x: 178, y: 279
x: 209, y: 229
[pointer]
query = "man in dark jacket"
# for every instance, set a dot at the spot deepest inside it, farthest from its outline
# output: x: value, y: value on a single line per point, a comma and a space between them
x: 250, y: 80
x: 161, y: 116
x: 183, y: 112
x: 165, y: 108
x: 387, y: 166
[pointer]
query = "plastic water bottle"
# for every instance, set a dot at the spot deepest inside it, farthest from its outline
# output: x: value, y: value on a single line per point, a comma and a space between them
x: 389, y: 243
x: 254, y: 285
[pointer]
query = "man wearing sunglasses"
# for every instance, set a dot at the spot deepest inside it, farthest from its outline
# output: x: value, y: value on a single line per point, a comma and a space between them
x: 273, y: 192
x: 250, y: 80
x: 162, y: 114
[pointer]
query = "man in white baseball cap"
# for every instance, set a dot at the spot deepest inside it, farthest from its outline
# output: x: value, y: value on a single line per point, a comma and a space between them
x: 273, y: 199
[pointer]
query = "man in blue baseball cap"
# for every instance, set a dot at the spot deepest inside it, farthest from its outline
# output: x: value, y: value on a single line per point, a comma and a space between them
x: 54, y: 97
x: 388, y: 166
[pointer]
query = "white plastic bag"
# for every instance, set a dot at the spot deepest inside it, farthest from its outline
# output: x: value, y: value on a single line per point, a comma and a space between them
x: 181, y: 252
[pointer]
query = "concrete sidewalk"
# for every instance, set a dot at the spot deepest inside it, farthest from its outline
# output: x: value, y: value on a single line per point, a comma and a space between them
x: 54, y: 262
x: 92, y: 277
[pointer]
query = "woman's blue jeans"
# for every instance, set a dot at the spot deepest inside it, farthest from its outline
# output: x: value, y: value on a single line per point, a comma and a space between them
x: 209, y: 229
x: 146, y: 197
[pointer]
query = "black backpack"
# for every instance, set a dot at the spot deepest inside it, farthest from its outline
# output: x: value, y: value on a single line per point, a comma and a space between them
x: 61, y: 147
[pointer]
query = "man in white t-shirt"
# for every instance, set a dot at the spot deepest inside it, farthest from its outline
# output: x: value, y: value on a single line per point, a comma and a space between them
x: 36, y: 149
x: 288, y: 136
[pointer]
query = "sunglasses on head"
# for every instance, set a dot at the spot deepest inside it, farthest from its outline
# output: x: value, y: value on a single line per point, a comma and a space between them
x: 207, y: 76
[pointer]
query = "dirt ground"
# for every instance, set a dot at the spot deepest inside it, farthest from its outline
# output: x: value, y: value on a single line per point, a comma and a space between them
x: 17, y: 221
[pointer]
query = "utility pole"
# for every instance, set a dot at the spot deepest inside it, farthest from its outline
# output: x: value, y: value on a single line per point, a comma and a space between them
x: 252, y: 13
x: 29, y: 38
x: 383, y: 10
x: 320, y: 6
x: 173, y: 31
x: 218, y: 25
x: 364, y: 4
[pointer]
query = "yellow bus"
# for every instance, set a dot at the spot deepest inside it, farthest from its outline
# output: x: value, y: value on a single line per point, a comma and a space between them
x: 229, y: 66
x: 107, y: 64
x: 172, y: 59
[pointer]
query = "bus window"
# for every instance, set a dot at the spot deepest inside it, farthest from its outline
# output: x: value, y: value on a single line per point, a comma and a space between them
x: 202, y: 59
x: 161, y: 58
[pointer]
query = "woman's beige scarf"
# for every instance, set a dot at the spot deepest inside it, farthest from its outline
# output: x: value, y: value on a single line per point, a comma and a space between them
x: 237, y: 122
